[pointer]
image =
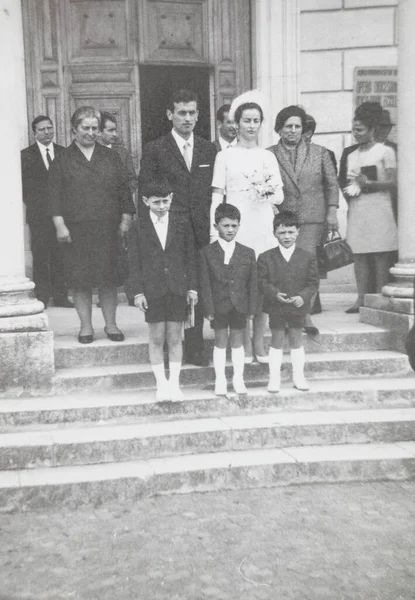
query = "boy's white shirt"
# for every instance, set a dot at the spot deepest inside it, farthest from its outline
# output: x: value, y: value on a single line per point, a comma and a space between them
x: 161, y: 227
x: 228, y: 248
x: 287, y: 252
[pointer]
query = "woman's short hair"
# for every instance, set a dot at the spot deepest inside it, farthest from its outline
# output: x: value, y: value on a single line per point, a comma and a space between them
x: 287, y: 218
x: 369, y: 113
x: 85, y: 112
x: 247, y: 106
x: 227, y: 211
x: 288, y: 112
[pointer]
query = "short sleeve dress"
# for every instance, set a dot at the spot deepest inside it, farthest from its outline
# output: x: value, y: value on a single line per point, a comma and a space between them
x: 371, y: 226
x: 243, y: 174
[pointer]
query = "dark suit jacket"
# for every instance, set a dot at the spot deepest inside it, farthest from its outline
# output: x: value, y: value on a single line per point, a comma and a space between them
x: 312, y: 187
x: 154, y: 271
x: 34, y: 179
x: 298, y: 277
x: 192, y: 193
x: 82, y: 190
x: 127, y: 161
x: 223, y: 287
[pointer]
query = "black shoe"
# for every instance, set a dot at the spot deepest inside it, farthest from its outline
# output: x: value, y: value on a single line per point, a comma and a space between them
x: 352, y: 310
x: 85, y: 339
x: 199, y: 359
x: 115, y: 337
x: 311, y: 330
x: 63, y: 303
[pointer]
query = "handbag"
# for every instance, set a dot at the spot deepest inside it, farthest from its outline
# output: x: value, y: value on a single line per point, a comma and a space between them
x: 335, y: 252
x: 122, y: 260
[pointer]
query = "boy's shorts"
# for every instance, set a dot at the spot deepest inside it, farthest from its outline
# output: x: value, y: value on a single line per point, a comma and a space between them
x: 169, y: 307
x: 232, y: 319
x: 279, y: 321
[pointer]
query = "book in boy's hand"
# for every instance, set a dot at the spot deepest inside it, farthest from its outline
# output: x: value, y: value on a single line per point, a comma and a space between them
x: 370, y: 172
x: 190, y: 318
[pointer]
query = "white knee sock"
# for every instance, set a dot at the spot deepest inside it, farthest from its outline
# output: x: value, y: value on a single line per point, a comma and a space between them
x: 238, y: 362
x: 219, y: 363
x: 161, y: 382
x: 175, y: 392
x: 298, y: 361
x: 275, y: 360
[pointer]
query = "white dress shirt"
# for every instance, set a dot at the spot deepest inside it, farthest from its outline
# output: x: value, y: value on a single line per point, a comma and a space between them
x: 225, y: 144
x: 161, y: 226
x: 287, y: 252
x: 228, y: 248
x: 42, y: 149
x: 181, y: 143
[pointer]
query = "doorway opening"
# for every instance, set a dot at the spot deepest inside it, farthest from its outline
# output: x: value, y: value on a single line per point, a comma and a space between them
x: 157, y: 83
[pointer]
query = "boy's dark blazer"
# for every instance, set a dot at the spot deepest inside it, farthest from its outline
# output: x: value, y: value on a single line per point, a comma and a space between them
x: 297, y: 277
x: 154, y: 271
x: 192, y: 192
x: 34, y: 180
x: 224, y: 287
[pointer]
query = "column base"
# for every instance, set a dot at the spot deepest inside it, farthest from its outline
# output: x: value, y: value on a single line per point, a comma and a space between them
x: 26, y: 341
x: 393, y: 313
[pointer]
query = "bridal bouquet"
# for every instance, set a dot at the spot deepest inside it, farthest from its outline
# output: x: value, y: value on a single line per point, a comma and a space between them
x: 261, y: 186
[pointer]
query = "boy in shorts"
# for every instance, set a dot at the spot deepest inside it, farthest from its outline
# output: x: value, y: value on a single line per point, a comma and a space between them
x: 228, y: 287
x: 164, y: 280
x: 288, y: 277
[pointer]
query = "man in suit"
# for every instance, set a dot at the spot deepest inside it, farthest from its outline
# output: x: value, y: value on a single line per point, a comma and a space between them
x: 186, y: 161
x: 48, y: 268
x: 108, y: 137
x: 226, y: 129
x: 308, y: 132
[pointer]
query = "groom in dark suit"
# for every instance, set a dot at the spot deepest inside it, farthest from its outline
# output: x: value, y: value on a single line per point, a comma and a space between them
x: 186, y: 161
x: 48, y: 270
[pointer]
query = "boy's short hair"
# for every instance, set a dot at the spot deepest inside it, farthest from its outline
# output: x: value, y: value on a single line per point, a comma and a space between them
x: 159, y: 189
x: 227, y: 211
x: 288, y: 218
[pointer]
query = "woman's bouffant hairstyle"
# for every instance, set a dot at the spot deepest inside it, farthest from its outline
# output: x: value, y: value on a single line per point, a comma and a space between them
x: 85, y: 112
x: 369, y: 113
x: 247, y: 106
x: 288, y: 112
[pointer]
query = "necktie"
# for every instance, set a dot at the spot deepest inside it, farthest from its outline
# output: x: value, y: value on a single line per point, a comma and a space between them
x: 186, y: 155
x: 48, y: 158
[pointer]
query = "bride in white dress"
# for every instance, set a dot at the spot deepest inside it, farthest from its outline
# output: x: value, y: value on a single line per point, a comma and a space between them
x: 250, y: 179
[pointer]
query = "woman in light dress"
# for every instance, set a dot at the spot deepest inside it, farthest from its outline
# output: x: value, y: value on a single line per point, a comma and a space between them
x: 371, y: 226
x: 249, y: 178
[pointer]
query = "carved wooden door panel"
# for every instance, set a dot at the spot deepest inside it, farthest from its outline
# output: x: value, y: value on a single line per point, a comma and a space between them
x: 90, y: 52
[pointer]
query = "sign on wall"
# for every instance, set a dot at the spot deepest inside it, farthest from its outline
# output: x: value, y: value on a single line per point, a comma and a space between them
x: 377, y: 84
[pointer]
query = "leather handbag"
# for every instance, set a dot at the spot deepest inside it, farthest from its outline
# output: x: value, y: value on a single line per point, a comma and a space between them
x: 335, y: 252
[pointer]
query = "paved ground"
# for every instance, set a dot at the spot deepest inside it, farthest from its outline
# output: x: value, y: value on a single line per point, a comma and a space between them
x: 321, y: 542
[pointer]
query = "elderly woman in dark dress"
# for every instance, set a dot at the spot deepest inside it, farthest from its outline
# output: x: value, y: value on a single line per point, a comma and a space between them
x: 310, y: 183
x: 91, y: 206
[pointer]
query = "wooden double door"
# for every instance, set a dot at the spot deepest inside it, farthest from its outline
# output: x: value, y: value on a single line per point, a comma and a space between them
x: 127, y: 56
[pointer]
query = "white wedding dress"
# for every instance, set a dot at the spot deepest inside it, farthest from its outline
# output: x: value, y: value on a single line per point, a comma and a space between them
x: 241, y: 173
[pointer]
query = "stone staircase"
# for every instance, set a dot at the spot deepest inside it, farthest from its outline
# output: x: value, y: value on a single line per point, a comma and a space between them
x: 102, y: 437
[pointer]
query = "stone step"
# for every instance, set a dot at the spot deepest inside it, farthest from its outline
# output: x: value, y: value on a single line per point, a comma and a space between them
x: 127, y: 481
x: 318, y: 365
x: 58, y: 447
x: 70, y: 354
x: 141, y: 405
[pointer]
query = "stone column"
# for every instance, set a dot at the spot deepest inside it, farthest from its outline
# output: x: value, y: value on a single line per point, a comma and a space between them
x: 276, y: 58
x: 394, y: 308
x: 26, y: 342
